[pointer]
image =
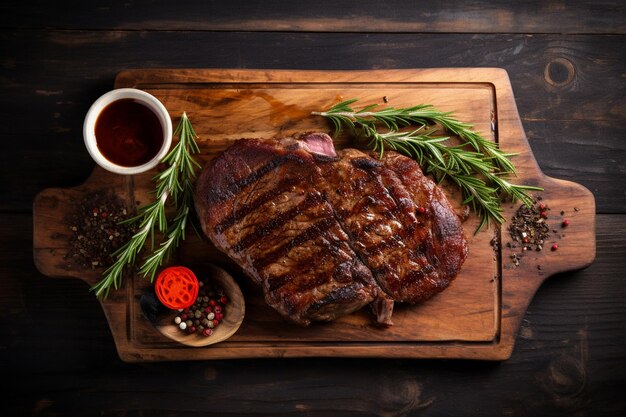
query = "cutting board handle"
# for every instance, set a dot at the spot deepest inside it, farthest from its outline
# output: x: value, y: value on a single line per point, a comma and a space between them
x: 51, y: 230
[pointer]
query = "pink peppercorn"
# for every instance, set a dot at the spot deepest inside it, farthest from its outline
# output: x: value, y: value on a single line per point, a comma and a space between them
x: 421, y: 210
x: 554, y: 247
x: 218, y: 309
x: 565, y: 223
x: 224, y: 300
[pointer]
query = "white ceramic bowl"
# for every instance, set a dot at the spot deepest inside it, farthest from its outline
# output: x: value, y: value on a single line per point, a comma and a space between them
x: 142, y: 97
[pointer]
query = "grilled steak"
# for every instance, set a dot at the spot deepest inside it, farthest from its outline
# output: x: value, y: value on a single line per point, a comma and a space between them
x: 325, y: 233
x: 257, y: 202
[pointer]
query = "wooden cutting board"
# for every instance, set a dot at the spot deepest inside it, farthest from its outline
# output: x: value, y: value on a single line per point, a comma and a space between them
x: 477, y: 317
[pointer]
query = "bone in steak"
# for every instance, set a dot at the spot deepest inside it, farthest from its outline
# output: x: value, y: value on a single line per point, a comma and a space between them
x: 326, y: 232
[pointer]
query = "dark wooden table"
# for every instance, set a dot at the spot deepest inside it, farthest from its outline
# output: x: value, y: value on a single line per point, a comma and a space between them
x: 566, y: 61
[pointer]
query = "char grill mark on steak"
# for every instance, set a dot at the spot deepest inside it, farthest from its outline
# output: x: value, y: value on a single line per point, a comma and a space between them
x: 219, y: 195
x: 309, y: 233
x: 254, y: 205
x: 274, y: 223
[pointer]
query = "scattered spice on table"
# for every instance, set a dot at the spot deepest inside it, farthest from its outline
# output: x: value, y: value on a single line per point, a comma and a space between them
x: 529, y: 230
x: 206, y: 313
x: 529, y: 226
x: 96, y: 232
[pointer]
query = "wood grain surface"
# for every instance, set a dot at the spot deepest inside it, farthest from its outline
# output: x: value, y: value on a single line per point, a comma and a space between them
x: 477, y: 317
x: 525, y: 16
x: 60, y: 357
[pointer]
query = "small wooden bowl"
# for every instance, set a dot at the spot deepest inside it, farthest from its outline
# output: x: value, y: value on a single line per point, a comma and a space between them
x: 234, y: 311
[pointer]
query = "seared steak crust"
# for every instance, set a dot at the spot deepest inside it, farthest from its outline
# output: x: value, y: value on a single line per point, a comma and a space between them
x: 326, y: 233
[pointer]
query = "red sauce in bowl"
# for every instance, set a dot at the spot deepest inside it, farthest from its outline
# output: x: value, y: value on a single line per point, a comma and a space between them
x: 128, y: 133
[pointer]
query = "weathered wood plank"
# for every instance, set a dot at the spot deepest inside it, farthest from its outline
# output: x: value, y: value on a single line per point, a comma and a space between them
x: 62, y: 361
x: 525, y: 16
x: 46, y: 90
x: 590, y: 153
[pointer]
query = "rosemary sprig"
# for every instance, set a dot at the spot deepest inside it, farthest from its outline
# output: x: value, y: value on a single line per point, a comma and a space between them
x: 175, y: 182
x: 479, y: 171
x: 175, y: 233
x: 423, y: 115
x: 179, y: 159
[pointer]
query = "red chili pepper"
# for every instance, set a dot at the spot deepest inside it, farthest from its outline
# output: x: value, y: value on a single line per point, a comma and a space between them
x: 177, y: 287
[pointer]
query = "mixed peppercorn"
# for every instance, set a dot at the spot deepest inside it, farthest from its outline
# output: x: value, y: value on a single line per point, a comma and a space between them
x: 96, y: 232
x: 529, y: 230
x: 206, y: 313
x: 529, y: 226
